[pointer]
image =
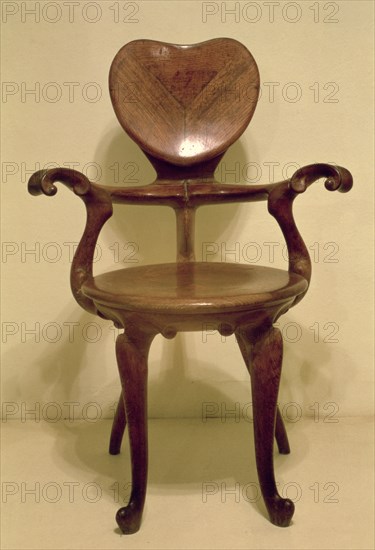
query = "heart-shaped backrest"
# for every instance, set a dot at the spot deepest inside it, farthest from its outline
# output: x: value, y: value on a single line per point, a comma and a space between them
x: 184, y: 104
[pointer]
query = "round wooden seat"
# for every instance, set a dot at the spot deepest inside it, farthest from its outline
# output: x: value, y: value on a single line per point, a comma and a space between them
x: 193, y: 287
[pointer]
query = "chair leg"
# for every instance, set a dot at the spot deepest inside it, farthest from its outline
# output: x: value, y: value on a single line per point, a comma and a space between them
x: 132, y: 353
x: 118, y: 428
x: 281, y: 435
x: 280, y: 432
x: 265, y: 361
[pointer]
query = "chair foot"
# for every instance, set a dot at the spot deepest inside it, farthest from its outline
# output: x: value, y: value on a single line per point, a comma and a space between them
x: 280, y: 510
x: 129, y: 518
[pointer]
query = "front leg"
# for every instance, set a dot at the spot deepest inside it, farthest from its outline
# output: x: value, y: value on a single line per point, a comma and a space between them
x: 265, y: 362
x: 132, y: 352
x: 280, y: 431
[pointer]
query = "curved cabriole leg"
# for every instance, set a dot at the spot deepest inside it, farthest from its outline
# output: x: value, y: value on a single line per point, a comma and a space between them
x: 118, y: 428
x: 265, y: 369
x: 280, y: 431
x: 132, y: 353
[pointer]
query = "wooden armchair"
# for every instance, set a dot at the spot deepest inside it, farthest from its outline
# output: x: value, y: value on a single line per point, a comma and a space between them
x: 184, y: 106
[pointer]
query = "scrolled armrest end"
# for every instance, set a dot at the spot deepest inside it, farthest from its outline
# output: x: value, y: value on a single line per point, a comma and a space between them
x: 42, y: 182
x: 37, y: 185
x: 337, y: 178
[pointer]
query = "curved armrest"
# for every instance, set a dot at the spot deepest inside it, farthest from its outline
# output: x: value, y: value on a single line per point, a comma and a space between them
x: 280, y: 205
x: 42, y: 181
x: 337, y: 178
x: 98, y: 208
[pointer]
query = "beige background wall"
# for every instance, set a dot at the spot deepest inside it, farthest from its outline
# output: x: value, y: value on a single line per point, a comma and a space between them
x: 315, y: 61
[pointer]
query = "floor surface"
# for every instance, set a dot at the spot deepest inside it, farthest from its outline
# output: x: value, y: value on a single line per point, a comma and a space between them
x: 61, y: 488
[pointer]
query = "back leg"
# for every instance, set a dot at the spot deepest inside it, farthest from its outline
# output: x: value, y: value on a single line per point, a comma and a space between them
x: 118, y: 427
x: 281, y: 435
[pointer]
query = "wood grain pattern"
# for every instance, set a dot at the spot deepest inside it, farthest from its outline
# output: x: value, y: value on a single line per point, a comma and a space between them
x: 184, y: 105
x: 175, y: 105
x: 194, y: 287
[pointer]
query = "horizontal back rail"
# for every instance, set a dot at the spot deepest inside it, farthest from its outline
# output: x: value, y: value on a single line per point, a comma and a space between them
x: 183, y: 194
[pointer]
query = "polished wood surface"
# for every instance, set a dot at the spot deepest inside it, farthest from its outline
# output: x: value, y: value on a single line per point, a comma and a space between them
x: 178, y: 107
x: 184, y: 105
x: 194, y: 287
